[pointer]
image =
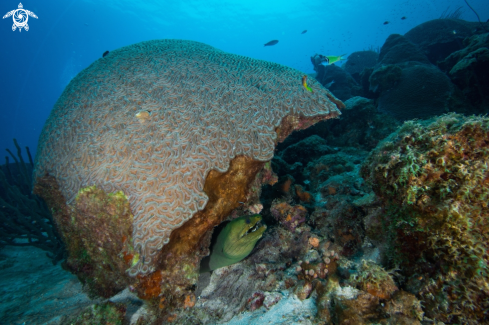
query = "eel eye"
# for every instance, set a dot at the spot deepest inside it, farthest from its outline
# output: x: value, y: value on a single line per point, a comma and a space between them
x: 248, y: 220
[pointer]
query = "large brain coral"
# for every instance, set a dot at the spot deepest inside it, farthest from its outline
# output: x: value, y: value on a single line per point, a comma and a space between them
x: 154, y: 118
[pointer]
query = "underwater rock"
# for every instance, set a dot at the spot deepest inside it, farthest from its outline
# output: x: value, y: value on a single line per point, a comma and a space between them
x: 398, y: 49
x: 258, y: 283
x: 358, y: 103
x: 308, y: 149
x: 342, y: 222
x: 361, y: 126
x: 289, y: 216
x: 104, y: 313
x: 337, y: 81
x: 303, y: 195
x: 471, y: 44
x: 373, y: 279
x: 407, y: 85
x: 320, y: 170
x: 421, y: 92
x: 357, y: 61
x: 289, y: 310
x: 366, y: 201
x: 187, y: 167
x: 406, y: 305
x: 335, y: 181
x: 469, y: 70
x: 438, y: 38
x: 281, y: 167
x: 284, y: 185
x: 384, y: 78
x: 98, y: 240
x: 352, y: 306
x: 432, y: 178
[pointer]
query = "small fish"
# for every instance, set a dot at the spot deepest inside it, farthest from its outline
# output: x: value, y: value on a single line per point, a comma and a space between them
x: 305, y: 31
x: 327, y: 60
x: 105, y: 54
x: 329, y: 84
x: 403, y: 18
x: 304, y: 84
x: 386, y: 22
x: 271, y: 43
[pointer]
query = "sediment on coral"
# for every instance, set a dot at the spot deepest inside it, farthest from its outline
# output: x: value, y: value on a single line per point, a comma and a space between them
x: 25, y: 220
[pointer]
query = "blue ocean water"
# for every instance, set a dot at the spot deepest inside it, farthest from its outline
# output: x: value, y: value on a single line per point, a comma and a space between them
x: 68, y: 36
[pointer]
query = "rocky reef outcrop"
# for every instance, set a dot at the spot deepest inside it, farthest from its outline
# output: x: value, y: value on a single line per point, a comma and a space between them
x: 439, y: 38
x: 358, y: 61
x: 407, y: 85
x: 468, y: 68
x: 432, y: 177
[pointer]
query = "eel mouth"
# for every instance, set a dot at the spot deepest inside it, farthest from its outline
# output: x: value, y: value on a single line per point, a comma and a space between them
x: 256, y: 230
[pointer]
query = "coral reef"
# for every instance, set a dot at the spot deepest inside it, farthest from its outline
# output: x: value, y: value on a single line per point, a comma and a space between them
x: 432, y: 177
x: 469, y: 70
x: 411, y: 98
x: 398, y: 49
x: 289, y: 216
x: 256, y: 282
x: 404, y: 308
x: 189, y: 135
x: 438, y: 38
x: 384, y: 78
x: 25, y: 220
x: 374, y: 280
x: 406, y: 84
x: 361, y: 126
x: 185, y: 142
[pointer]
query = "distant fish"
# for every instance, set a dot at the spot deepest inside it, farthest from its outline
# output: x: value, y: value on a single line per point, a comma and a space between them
x: 305, y: 31
x: 304, y: 84
x: 403, y: 17
x: 105, y: 54
x: 271, y: 43
x: 386, y: 22
x: 86, y: 24
x: 329, y: 84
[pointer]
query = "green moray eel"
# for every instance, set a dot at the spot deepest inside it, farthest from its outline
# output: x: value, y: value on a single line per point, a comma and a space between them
x: 235, y: 241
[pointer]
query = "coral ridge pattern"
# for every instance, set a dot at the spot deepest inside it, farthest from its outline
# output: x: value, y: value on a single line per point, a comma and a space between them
x: 152, y: 119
